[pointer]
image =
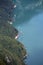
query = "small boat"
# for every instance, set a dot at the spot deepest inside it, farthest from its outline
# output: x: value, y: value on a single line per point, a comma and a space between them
x: 16, y: 36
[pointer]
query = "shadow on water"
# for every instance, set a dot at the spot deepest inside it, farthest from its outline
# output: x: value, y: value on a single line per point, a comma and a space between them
x: 27, y: 9
x: 32, y: 23
x: 27, y: 18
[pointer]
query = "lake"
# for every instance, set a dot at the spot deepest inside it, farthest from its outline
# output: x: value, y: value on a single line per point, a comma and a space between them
x: 31, y: 35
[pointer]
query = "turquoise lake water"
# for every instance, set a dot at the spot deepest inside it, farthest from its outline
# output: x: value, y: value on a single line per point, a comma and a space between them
x: 31, y: 35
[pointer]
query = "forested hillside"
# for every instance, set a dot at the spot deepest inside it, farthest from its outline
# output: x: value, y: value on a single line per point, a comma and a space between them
x: 11, y: 50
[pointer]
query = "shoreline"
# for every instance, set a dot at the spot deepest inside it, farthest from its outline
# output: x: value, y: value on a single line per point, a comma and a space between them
x: 18, y: 34
x: 26, y: 55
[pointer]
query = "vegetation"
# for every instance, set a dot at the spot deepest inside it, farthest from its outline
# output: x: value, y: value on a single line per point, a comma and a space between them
x: 11, y: 50
x: 8, y: 30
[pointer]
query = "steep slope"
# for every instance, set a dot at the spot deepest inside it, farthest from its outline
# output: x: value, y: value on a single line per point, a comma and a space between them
x: 8, y: 30
x: 11, y: 51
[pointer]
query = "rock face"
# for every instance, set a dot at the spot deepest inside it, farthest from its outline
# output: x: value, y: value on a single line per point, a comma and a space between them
x: 11, y: 50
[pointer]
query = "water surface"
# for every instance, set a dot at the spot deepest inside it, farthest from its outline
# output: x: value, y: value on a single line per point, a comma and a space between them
x: 32, y: 38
